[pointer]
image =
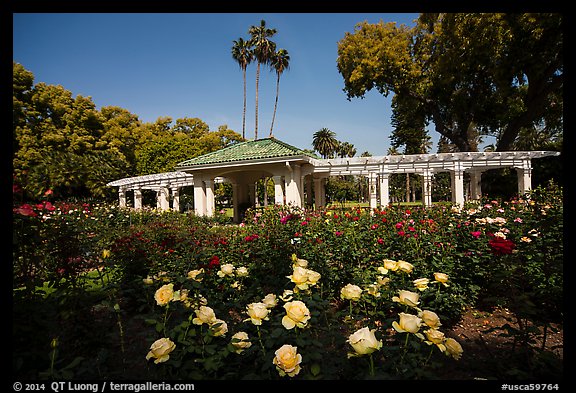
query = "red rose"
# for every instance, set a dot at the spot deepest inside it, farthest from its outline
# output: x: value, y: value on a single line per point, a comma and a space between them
x: 501, y: 246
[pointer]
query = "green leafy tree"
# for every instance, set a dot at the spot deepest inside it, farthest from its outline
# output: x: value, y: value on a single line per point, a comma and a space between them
x: 409, y: 131
x: 263, y: 50
x: 280, y: 62
x: 57, y: 140
x: 242, y: 53
x: 188, y: 138
x: 122, y: 134
x: 474, y: 74
x: 193, y: 127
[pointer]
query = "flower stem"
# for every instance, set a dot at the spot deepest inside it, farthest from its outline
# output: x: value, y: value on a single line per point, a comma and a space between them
x: 165, y: 318
x: 429, y: 356
x: 260, y: 341
x: 371, y: 366
x: 405, y: 348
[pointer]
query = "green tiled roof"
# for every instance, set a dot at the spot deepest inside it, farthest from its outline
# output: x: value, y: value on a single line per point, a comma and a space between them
x: 245, y: 151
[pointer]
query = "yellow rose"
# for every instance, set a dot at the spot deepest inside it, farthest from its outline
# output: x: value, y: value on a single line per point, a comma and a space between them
x: 148, y: 280
x: 351, y: 292
x: 242, y: 271
x: 299, y: 277
x: 286, y: 295
x: 430, y: 318
x: 408, y: 323
x: 164, y: 294
x: 435, y: 337
x: 240, y: 342
x: 407, y: 297
x: 270, y: 300
x: 373, y: 289
x: 405, y: 267
x: 389, y: 265
x: 287, y: 360
x: 364, y: 342
x: 313, y: 277
x: 219, y: 328
x: 181, y: 296
x: 160, y: 350
x: 441, y: 278
x: 193, y: 274
x: 257, y: 312
x: 226, y: 270
x: 382, y: 280
x: 421, y: 283
x: 297, y: 314
x: 299, y: 262
x: 204, y: 314
x: 106, y: 254
x: 453, y: 348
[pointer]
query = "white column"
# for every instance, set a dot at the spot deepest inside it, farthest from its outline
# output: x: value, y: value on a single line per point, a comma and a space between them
x: 122, y: 197
x: 278, y: 193
x: 384, y: 190
x: 164, y: 197
x: 210, y: 202
x: 293, y: 188
x: 176, y: 199
x: 475, y: 185
x: 524, y: 177
x: 199, y: 196
x: 319, y: 193
x: 372, y: 190
x: 457, y: 184
x: 427, y: 188
x: 137, y: 199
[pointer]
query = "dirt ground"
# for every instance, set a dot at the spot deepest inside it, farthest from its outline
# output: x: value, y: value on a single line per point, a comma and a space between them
x: 491, y: 351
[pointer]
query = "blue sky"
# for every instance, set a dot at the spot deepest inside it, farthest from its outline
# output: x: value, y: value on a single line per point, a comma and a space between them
x: 179, y: 65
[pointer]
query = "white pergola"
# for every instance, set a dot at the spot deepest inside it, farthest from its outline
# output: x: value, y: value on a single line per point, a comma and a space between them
x: 299, y: 178
x: 165, y: 184
x: 378, y: 169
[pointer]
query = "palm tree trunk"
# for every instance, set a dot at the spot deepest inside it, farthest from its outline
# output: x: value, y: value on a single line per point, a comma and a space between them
x: 257, y: 81
x: 244, y: 114
x: 276, y: 103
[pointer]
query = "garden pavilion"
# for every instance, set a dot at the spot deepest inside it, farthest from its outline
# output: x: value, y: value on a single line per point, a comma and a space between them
x: 299, y: 176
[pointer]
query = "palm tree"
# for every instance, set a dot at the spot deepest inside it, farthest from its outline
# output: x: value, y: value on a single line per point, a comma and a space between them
x: 324, y: 142
x: 263, y: 49
x: 346, y: 149
x: 242, y: 53
x: 280, y: 62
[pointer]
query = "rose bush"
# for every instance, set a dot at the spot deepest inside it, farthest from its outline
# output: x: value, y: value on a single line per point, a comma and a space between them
x: 229, y: 297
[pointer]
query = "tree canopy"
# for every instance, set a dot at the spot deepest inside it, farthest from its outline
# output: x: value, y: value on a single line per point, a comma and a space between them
x: 472, y: 74
x: 64, y: 144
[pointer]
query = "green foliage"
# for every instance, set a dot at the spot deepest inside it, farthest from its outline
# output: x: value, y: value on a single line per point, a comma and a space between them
x: 471, y: 74
x: 85, y: 268
x: 63, y: 144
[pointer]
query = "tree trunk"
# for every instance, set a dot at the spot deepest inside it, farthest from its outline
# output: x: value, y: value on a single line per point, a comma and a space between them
x: 244, y: 113
x: 276, y: 103
x: 257, y: 81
